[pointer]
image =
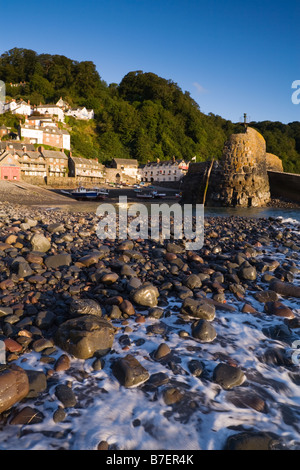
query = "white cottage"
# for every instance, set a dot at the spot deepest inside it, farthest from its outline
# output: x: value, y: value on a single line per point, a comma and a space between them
x: 51, y: 109
x: 166, y: 171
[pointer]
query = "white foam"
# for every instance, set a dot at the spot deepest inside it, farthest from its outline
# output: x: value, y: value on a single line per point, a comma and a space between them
x: 133, y: 419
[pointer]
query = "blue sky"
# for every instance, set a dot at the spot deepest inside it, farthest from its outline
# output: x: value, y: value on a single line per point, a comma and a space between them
x: 232, y: 56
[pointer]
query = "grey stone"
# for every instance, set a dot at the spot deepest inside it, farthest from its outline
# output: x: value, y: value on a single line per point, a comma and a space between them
x: 247, y: 272
x: 66, y: 395
x: 285, y: 288
x: 40, y: 243
x: 228, y: 376
x: 27, y: 415
x: 162, y: 351
x: 250, y: 441
x: 146, y: 295
x: 56, y: 227
x: 198, y: 309
x: 129, y: 372
x: 37, y: 383
x: 56, y: 261
x: 59, y: 415
x: 204, y: 331
x: 24, y: 270
x: 85, y: 307
x: 14, y: 386
x: 266, y: 296
x: 84, y: 336
x: 195, y: 367
x: 44, y: 319
x: 5, y: 311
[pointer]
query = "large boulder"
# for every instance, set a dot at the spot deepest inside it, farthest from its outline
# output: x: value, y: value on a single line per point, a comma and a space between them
x: 14, y: 386
x: 285, y: 288
x: 129, y: 372
x: 85, y: 307
x: 204, y: 331
x: 56, y: 261
x: 228, y: 376
x: 40, y: 243
x: 84, y: 336
x: 146, y: 295
x: 198, y: 309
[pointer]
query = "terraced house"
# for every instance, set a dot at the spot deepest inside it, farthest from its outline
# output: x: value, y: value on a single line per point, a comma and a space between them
x: 85, y: 169
x: 32, y: 164
x: 42, y: 130
x: 166, y: 171
x: 57, y: 162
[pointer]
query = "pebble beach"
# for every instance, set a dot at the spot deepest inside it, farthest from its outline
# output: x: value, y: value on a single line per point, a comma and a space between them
x: 143, y: 345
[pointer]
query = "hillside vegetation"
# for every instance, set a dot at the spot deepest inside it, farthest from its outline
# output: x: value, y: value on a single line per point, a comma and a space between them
x: 143, y: 117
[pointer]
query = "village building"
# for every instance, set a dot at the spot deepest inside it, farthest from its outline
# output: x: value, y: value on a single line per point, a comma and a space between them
x: 38, y: 130
x: 4, y: 131
x: 81, y: 113
x: 56, y: 137
x: 18, y: 107
x: 14, y: 145
x: 51, y: 109
x: 85, y: 169
x: 40, y: 120
x: 32, y: 163
x: 166, y: 171
x: 62, y: 104
x: 123, y: 170
x: 57, y: 162
x: 32, y: 134
x: 9, y: 166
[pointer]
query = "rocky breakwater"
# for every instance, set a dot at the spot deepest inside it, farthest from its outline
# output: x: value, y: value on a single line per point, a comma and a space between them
x: 151, y: 316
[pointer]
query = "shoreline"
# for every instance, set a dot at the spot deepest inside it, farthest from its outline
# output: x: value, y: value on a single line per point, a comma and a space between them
x: 172, y: 319
x: 33, y: 196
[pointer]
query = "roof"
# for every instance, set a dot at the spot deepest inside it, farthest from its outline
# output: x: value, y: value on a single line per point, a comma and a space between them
x: 165, y: 163
x: 51, y: 130
x: 16, y: 146
x: 30, y: 154
x: 125, y: 161
x: 40, y: 117
x: 54, y: 154
x: 85, y: 161
x: 47, y: 106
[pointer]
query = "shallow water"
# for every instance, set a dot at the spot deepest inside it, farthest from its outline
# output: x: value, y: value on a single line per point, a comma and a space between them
x: 256, y: 212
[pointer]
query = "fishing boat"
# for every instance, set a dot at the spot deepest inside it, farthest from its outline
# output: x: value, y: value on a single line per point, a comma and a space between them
x: 82, y: 193
x: 144, y: 195
x: 158, y: 195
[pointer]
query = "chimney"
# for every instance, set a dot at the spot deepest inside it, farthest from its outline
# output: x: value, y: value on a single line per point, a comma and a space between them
x: 28, y: 101
x: 157, y: 160
x: 24, y: 149
x: 41, y: 149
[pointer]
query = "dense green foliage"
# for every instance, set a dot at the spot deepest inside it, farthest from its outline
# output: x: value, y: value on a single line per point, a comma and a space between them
x: 144, y: 117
